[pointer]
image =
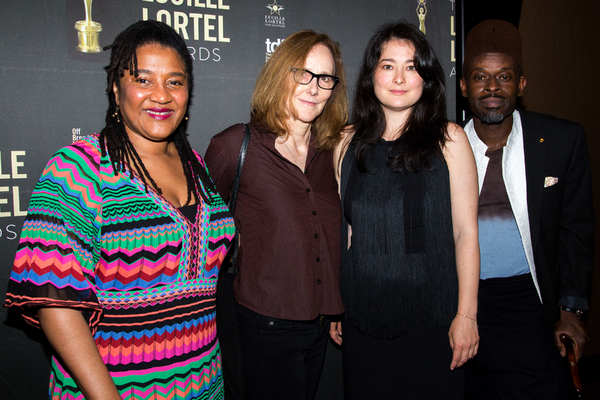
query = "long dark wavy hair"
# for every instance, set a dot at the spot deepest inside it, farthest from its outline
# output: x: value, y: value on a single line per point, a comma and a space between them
x: 425, y: 131
x: 114, y: 139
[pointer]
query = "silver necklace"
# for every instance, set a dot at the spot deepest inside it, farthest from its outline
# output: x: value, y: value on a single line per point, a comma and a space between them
x: 292, y: 154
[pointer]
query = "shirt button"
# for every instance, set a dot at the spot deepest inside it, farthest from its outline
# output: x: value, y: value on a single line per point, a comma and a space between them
x: 316, y: 235
x: 318, y: 259
x: 308, y: 190
x: 319, y: 281
x: 314, y: 213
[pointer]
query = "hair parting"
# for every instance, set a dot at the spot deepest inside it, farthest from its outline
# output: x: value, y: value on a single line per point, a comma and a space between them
x: 271, y: 100
x: 425, y: 132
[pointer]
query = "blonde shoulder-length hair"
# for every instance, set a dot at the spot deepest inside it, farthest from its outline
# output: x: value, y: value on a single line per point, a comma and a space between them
x: 272, y: 97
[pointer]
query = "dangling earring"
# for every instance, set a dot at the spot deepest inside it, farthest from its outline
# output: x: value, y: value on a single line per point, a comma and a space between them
x: 116, y: 114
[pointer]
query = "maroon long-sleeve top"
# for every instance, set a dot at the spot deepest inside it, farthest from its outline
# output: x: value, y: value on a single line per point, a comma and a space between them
x: 289, y: 222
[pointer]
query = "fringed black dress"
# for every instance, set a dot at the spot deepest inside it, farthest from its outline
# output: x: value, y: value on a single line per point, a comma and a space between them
x: 398, y: 280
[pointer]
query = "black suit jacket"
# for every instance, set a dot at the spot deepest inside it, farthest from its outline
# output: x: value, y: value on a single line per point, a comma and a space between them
x: 561, y: 216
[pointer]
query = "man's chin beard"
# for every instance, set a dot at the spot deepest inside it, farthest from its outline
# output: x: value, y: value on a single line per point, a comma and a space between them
x: 492, y: 117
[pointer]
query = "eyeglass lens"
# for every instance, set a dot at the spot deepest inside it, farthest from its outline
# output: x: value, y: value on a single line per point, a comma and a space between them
x: 304, y: 77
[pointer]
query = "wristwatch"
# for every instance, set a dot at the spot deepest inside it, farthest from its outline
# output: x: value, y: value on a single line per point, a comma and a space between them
x: 579, y: 313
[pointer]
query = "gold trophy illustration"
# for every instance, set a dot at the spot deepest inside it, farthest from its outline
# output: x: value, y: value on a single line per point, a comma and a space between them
x: 88, y: 31
x: 421, y: 13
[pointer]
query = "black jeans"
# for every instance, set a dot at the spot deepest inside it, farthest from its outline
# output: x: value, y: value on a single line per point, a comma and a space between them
x: 282, y: 359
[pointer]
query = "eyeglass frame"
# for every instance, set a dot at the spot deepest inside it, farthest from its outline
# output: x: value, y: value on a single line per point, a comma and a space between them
x: 336, y: 80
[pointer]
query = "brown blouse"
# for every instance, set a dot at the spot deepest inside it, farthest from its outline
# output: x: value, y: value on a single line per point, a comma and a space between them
x: 289, y: 222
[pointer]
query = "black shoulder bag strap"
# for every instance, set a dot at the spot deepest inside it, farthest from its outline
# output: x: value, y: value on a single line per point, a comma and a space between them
x: 228, y: 331
x: 238, y: 171
x: 234, y: 191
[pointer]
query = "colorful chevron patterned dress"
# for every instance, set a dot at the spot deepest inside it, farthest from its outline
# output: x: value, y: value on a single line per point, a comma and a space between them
x: 142, y: 274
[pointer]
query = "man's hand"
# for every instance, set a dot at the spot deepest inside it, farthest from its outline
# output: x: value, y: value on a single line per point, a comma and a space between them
x: 570, y: 325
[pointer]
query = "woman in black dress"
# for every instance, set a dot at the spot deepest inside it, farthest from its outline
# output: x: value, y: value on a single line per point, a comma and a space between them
x: 410, y: 256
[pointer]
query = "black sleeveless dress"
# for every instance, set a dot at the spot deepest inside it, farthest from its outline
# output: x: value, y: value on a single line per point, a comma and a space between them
x: 398, y: 280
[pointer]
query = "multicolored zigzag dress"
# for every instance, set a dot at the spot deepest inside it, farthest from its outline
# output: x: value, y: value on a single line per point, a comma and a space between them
x: 142, y: 274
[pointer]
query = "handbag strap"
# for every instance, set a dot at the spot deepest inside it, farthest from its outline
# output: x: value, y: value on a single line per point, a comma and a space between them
x: 232, y: 269
x: 238, y: 171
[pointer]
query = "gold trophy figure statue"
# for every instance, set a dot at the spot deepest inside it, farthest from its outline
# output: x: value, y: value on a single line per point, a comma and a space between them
x: 421, y: 13
x: 88, y: 31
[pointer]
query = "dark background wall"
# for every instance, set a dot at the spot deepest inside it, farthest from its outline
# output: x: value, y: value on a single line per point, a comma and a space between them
x: 560, y: 51
x: 51, y: 94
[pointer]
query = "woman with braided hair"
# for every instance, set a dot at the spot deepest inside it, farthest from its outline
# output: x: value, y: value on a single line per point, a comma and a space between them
x: 124, y: 237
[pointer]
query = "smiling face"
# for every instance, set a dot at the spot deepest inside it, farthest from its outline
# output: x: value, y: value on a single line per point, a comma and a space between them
x: 492, y: 85
x: 153, y: 103
x: 309, y: 100
x: 397, y: 84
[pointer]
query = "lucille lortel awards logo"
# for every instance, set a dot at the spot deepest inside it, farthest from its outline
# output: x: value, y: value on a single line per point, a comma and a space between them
x: 274, y: 18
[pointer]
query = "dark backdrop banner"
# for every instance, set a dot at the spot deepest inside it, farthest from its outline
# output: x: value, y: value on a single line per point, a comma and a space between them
x: 51, y: 94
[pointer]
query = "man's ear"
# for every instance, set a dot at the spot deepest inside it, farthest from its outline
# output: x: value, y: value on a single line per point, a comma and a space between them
x: 463, y: 87
x: 522, y: 84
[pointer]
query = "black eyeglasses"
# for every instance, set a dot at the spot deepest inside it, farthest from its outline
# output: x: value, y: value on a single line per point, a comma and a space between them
x: 304, y: 77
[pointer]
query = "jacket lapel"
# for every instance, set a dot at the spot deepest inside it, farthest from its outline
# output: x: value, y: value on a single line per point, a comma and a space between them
x: 535, y: 148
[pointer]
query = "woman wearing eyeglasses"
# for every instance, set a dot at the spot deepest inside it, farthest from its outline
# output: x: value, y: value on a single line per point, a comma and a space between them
x: 288, y: 214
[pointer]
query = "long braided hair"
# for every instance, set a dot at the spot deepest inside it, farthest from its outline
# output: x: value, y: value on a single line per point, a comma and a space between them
x: 114, y: 139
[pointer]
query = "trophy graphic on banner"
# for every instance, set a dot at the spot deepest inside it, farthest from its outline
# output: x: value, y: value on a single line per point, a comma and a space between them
x: 88, y: 31
x: 421, y: 13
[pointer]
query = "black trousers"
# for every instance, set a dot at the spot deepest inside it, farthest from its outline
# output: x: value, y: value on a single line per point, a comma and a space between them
x: 517, y: 356
x: 282, y: 359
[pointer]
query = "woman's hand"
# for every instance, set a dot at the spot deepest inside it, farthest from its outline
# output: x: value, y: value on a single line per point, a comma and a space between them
x: 464, y: 194
x: 70, y: 336
x: 335, y: 331
x: 464, y: 339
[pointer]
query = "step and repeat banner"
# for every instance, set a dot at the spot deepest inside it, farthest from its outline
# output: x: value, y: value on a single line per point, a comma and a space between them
x: 52, y: 92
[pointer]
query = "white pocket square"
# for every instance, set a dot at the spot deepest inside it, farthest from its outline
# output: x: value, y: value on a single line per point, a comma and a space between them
x: 550, y: 181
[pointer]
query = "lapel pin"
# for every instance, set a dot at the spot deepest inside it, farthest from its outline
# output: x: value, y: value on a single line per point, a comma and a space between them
x: 542, y: 140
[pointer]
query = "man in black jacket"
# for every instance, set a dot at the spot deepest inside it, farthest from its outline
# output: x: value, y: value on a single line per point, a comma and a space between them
x: 535, y: 226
